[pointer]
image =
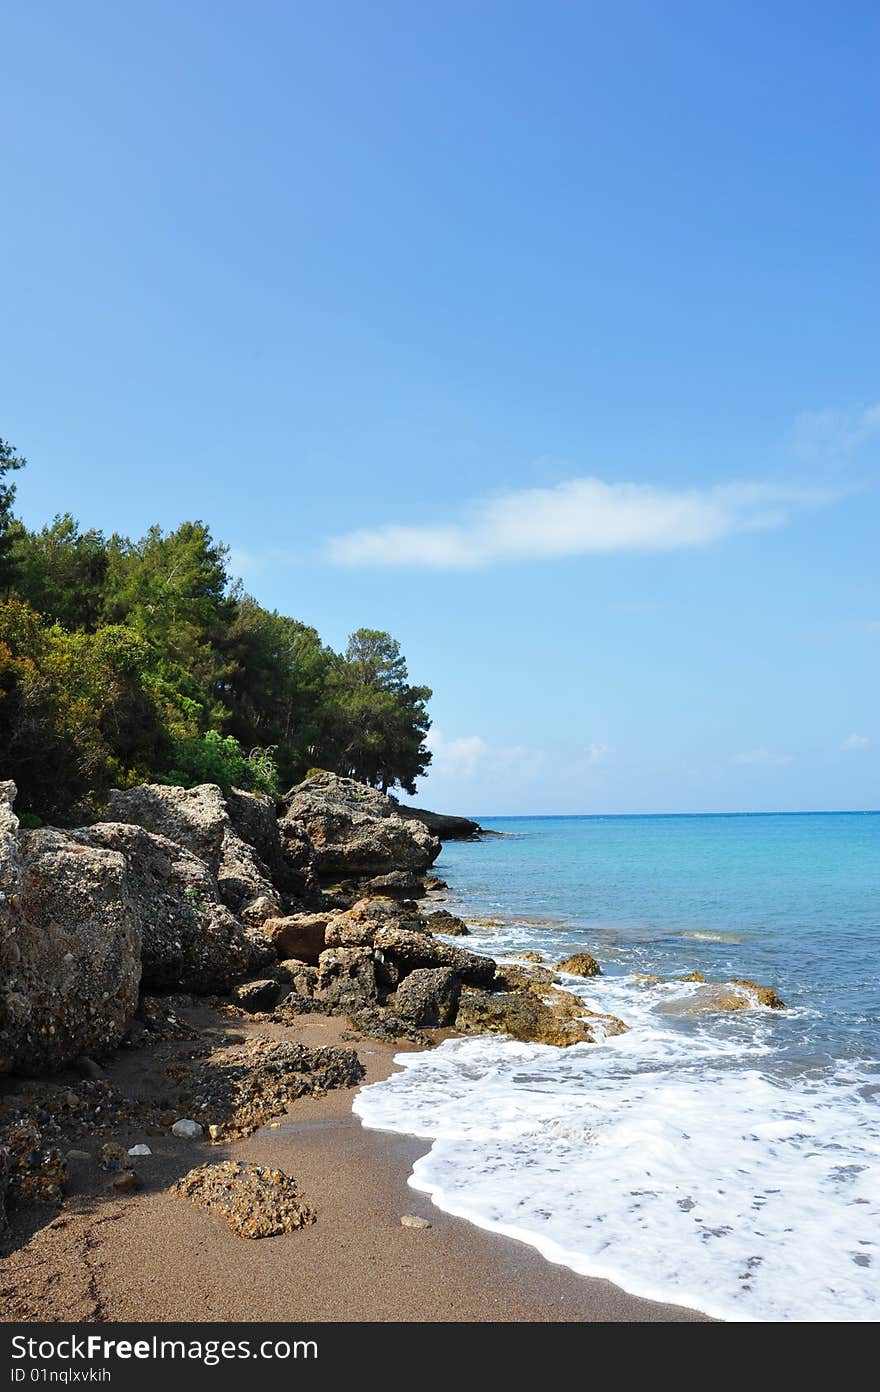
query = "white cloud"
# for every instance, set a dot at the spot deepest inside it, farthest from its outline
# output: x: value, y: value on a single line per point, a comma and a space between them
x: 829, y: 434
x: 455, y: 758
x: 767, y: 757
x: 856, y: 742
x: 597, y: 753
x: 577, y: 517
x: 469, y: 754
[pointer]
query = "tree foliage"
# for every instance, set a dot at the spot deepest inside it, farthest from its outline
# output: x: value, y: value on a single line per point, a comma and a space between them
x: 125, y: 660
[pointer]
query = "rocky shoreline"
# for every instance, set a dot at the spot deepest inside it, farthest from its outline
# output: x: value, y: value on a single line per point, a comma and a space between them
x: 166, y: 972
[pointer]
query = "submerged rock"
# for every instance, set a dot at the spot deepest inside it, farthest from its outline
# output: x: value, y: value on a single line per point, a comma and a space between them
x: 581, y: 964
x: 765, y: 994
x: 520, y: 1014
x: 254, y: 1200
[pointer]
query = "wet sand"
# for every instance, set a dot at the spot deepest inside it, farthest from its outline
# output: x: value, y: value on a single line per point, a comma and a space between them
x: 153, y: 1257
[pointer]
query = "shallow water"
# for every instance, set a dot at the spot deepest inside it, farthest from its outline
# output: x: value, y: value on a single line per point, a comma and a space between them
x: 727, y: 1162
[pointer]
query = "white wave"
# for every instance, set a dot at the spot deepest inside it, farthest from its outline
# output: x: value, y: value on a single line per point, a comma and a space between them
x: 672, y: 1162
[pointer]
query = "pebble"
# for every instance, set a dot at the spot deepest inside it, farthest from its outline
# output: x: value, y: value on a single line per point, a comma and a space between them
x: 78, y: 1155
x: 409, y: 1220
x: 186, y: 1128
x: 140, y: 1150
x: 215, y: 1132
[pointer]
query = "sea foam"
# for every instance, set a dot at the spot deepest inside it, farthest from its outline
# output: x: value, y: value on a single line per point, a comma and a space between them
x: 685, y: 1165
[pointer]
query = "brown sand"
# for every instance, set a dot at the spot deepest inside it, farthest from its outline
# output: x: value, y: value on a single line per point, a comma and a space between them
x: 150, y: 1256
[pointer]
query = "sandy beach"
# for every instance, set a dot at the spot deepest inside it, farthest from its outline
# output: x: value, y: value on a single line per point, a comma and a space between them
x: 151, y: 1256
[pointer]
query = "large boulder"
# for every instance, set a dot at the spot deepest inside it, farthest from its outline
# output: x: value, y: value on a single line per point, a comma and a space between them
x: 408, y: 951
x: 70, y: 946
x: 347, y: 978
x: 199, y: 820
x: 190, y: 940
x: 581, y: 964
x: 354, y: 830
x: 429, y: 996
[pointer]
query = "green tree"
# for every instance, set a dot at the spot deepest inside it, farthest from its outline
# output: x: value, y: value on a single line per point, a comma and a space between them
x: 379, y: 720
x: 9, y: 462
x: 60, y: 571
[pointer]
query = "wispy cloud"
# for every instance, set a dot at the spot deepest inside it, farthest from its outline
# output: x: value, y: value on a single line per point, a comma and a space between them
x: 597, y: 753
x: 856, y: 742
x: 577, y: 517
x: 766, y: 757
x: 831, y: 434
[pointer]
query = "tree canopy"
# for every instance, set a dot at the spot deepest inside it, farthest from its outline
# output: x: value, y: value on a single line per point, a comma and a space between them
x: 123, y: 660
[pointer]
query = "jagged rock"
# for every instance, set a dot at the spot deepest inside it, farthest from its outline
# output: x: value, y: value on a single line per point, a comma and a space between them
x: 254, y: 1200
x: 358, y: 926
x: 190, y: 941
x: 199, y: 820
x: 195, y: 818
x: 448, y: 828
x: 347, y: 978
x: 355, y: 830
x: 581, y: 964
x: 70, y: 946
x: 256, y: 996
x: 433, y: 884
x: 429, y: 996
x: 441, y: 921
x: 694, y: 976
x: 529, y: 957
x: 511, y: 978
x: 408, y: 950
x: 519, y: 1014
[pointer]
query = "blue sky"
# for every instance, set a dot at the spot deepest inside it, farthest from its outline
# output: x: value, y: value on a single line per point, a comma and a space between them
x: 543, y: 335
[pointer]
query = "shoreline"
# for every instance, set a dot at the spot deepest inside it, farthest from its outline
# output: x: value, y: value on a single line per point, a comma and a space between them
x: 153, y: 1257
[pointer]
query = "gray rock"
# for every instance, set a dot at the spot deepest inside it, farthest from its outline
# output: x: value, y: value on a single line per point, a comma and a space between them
x: 347, y: 978
x: 199, y: 820
x: 187, y: 1129
x: 191, y: 941
x: 408, y: 951
x: 69, y: 947
x: 429, y: 996
x: 355, y: 830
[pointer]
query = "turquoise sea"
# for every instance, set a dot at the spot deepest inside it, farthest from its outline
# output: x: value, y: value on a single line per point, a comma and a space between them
x: 730, y: 1162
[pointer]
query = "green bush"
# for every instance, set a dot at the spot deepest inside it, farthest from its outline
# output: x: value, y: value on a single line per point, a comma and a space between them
x: 215, y: 758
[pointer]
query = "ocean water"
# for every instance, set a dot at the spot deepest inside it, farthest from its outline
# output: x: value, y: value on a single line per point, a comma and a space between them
x: 726, y: 1162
